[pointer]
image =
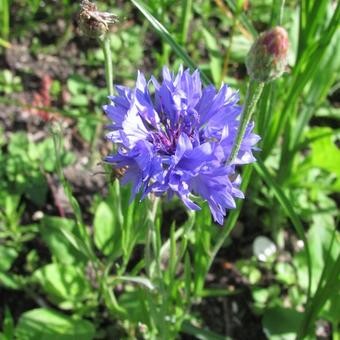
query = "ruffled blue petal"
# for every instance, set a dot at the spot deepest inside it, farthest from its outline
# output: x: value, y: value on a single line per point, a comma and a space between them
x: 176, y: 141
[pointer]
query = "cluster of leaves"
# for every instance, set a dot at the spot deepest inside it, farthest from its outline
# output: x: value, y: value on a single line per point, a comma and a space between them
x: 96, y: 272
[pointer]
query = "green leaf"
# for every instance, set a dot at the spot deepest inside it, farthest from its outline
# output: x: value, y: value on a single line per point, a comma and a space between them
x: 239, y: 48
x: 76, y: 84
x: 63, y: 282
x: 135, y: 304
x: 202, y: 334
x: 87, y: 128
x: 34, y: 4
x: 326, y: 290
x: 162, y: 31
x: 281, y: 323
x: 249, y: 270
x: 79, y: 100
x: 289, y: 210
x: 187, y: 276
x: 47, y: 324
x: 8, y: 326
x: 242, y: 17
x: 319, y: 239
x: 36, y: 188
x: 135, y: 279
x: 63, y: 251
x: 105, y: 228
x: 78, y: 244
x: 325, y: 154
x: 10, y: 281
x: 214, y: 54
x: 7, y: 256
x: 285, y: 273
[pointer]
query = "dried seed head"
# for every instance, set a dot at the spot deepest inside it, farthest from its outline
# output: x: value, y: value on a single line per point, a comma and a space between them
x: 94, y: 23
x: 267, y: 58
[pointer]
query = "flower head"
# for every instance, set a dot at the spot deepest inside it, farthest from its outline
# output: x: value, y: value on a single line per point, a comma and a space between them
x: 94, y: 23
x: 267, y: 58
x: 175, y: 137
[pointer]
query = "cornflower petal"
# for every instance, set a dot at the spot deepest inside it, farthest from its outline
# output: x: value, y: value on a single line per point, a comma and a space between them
x: 177, y: 139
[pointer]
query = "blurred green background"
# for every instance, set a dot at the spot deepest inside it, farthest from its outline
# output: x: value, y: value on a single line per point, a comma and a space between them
x: 276, y: 270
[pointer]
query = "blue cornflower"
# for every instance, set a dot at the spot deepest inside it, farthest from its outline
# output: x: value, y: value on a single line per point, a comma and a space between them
x: 175, y: 137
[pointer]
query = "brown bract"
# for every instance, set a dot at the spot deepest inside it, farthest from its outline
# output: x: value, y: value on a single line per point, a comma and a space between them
x: 93, y: 22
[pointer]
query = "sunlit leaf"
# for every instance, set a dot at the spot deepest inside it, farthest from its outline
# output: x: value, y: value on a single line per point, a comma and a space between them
x: 47, y: 324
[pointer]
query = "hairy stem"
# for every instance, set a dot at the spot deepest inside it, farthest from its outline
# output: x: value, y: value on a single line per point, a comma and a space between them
x: 105, y: 44
x: 253, y: 94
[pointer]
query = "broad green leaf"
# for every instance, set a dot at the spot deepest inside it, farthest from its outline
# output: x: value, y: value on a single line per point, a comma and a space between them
x: 63, y: 282
x: 36, y: 188
x: 78, y: 243
x: 76, y: 84
x: 285, y: 273
x: 289, y: 210
x: 328, y: 112
x: 8, y: 326
x: 87, y: 128
x: 249, y: 270
x: 47, y: 324
x: 10, y: 281
x: 319, y: 239
x: 265, y: 298
x: 281, y: 323
x: 7, y: 256
x: 34, y: 4
x: 134, y: 302
x: 105, y: 228
x: 200, y: 333
x: 326, y: 290
x: 325, y: 154
x: 63, y: 251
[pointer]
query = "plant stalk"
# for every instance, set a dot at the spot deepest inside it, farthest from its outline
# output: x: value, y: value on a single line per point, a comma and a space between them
x: 253, y: 94
x: 106, y: 46
x: 153, y: 265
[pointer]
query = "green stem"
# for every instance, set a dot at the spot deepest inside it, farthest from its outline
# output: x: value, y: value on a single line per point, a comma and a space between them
x: 253, y: 94
x: 107, y: 290
x: 153, y: 267
x: 282, y: 7
x: 151, y: 251
x: 106, y: 46
x: 5, y: 18
x: 232, y: 218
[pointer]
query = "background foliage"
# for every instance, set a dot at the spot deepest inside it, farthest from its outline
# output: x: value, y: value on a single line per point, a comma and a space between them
x: 72, y: 267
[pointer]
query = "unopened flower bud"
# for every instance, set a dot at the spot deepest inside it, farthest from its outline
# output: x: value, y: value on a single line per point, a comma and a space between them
x: 267, y: 58
x: 94, y: 23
